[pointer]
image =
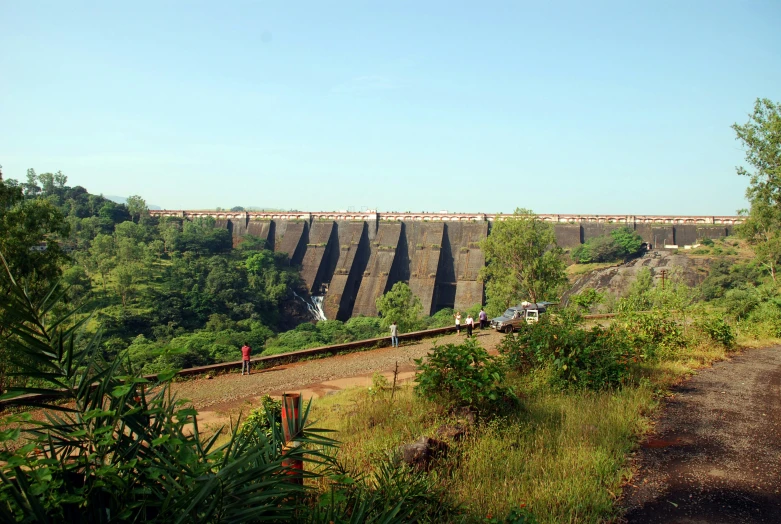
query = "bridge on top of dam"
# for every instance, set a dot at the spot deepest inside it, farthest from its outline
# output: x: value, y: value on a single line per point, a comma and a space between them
x: 354, y: 257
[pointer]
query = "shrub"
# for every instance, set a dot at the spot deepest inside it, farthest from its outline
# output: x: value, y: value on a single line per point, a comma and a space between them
x: 740, y: 302
x: 653, y: 334
x: 638, y: 299
x: 463, y: 375
x: 717, y: 330
x: 706, y: 242
x: 442, y: 318
x: 764, y: 321
x: 587, y: 298
x: 592, y: 359
x: 725, y: 275
x: 266, y: 419
x: 379, y: 384
x: 619, y: 244
x: 362, y: 328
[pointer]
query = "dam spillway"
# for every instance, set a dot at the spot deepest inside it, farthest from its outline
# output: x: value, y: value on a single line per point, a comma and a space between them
x: 354, y: 258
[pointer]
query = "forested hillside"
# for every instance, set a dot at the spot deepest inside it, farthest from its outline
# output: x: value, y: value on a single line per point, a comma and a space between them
x: 174, y: 292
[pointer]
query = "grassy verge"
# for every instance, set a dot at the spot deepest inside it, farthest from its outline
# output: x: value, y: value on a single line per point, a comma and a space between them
x: 563, y: 455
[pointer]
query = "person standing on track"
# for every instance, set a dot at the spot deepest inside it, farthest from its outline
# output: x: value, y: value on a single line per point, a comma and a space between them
x: 470, y: 323
x: 457, y: 316
x: 483, y: 319
x: 245, y: 355
x: 394, y: 329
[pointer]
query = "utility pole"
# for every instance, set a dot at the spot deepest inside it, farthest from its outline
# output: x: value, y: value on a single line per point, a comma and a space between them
x: 663, y: 273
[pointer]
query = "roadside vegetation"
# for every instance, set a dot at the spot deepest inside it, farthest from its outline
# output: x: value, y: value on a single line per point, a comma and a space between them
x: 547, y: 423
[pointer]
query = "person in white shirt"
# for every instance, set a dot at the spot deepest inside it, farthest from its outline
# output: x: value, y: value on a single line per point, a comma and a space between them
x: 394, y: 329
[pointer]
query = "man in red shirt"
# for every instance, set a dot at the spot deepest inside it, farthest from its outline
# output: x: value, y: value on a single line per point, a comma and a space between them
x: 245, y: 352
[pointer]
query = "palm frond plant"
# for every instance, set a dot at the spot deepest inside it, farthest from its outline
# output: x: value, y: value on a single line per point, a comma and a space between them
x: 114, y: 446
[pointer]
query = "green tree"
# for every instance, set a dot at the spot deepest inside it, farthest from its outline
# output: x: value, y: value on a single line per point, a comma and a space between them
x: 31, y: 188
x: 170, y: 231
x: 401, y: 306
x: 47, y: 183
x: 29, y: 233
x: 628, y: 242
x: 131, y: 231
x: 136, y: 206
x: 60, y: 179
x: 113, y: 212
x: 761, y: 138
x: 126, y: 277
x: 102, y: 256
x: 522, y: 261
x: 77, y: 281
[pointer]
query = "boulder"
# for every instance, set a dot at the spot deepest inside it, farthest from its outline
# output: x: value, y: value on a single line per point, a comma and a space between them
x: 467, y: 415
x: 421, y: 453
x: 455, y: 432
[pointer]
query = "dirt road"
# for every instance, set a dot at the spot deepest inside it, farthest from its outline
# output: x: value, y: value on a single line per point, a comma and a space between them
x: 715, y: 456
x: 224, y: 395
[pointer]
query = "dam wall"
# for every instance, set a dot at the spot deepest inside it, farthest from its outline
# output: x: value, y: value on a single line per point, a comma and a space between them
x: 291, y: 237
x: 345, y: 280
x: 354, y: 258
x: 460, y: 265
x: 376, y: 276
x: 424, y: 245
x: 316, y: 251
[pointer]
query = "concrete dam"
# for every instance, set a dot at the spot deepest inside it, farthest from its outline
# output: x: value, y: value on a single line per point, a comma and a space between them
x: 353, y: 258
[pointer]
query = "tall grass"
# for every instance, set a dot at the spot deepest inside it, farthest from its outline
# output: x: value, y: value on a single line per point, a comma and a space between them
x: 563, y: 455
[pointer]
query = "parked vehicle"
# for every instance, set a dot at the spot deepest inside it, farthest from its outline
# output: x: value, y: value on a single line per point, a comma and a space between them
x: 523, y: 313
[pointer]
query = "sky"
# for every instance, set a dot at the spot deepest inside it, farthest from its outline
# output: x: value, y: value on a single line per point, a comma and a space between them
x: 559, y: 107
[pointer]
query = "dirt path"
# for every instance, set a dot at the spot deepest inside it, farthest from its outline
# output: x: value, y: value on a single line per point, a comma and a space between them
x: 716, y: 454
x: 224, y: 395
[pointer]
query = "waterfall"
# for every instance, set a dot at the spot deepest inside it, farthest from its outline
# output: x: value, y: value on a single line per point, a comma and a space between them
x: 315, y: 307
x: 318, y: 303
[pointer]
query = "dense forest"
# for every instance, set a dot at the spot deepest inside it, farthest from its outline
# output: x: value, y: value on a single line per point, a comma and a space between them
x: 172, y: 291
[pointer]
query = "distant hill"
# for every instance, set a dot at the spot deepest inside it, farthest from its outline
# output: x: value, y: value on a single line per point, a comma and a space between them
x: 123, y: 200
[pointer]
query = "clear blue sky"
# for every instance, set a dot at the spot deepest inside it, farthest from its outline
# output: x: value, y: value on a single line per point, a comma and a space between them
x: 590, y: 107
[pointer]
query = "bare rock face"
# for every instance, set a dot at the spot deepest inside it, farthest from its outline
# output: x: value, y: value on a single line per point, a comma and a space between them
x: 421, y: 453
x: 293, y: 313
x: 619, y: 278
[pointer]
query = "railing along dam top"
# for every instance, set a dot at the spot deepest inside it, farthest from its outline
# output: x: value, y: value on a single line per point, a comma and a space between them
x: 451, y: 217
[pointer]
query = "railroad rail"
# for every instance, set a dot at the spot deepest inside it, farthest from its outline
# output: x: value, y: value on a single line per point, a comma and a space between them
x: 271, y: 360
